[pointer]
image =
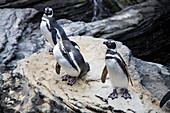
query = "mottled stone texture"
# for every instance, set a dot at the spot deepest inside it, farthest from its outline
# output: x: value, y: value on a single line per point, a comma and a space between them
x: 13, y: 22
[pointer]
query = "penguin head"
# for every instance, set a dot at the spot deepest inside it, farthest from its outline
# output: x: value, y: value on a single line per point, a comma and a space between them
x: 48, y: 11
x: 111, y: 44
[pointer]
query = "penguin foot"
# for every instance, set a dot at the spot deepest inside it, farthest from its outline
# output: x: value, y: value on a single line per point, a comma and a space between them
x: 51, y: 51
x: 126, y: 94
x: 72, y: 81
x: 65, y: 77
x: 113, y: 95
x: 57, y: 68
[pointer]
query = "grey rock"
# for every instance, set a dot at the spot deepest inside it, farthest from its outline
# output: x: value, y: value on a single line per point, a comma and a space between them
x: 13, y: 22
x: 84, y: 10
x: 153, y: 77
x: 136, y: 26
x: 30, y: 42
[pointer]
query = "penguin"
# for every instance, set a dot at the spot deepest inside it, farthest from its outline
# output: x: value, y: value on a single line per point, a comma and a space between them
x: 71, y: 60
x: 165, y: 99
x: 50, y: 28
x: 117, y: 69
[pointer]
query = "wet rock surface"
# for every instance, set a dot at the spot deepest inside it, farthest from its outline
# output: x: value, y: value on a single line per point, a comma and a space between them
x: 34, y: 85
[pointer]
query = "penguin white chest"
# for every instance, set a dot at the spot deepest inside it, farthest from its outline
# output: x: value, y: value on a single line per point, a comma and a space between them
x: 117, y: 76
x: 46, y: 33
x: 63, y: 61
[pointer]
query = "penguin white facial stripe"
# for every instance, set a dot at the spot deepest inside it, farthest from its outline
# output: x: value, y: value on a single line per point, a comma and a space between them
x: 113, y: 41
x: 49, y: 12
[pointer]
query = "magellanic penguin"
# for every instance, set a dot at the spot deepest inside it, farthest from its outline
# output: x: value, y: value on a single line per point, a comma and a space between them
x: 50, y: 28
x: 70, y: 59
x: 117, y: 70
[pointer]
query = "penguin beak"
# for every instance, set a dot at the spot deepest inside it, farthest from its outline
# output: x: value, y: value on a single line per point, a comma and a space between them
x: 105, y: 42
x: 44, y: 15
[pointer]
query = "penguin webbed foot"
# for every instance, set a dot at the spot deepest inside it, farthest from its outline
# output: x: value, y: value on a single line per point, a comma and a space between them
x: 126, y: 95
x: 51, y: 51
x: 113, y: 95
x: 65, y: 77
x: 57, y: 68
x: 72, y: 81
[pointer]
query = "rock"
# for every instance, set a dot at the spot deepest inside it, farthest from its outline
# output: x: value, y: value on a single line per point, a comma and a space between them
x: 30, y: 42
x: 84, y: 10
x: 129, y: 26
x: 13, y: 22
x: 136, y: 26
x: 34, y: 85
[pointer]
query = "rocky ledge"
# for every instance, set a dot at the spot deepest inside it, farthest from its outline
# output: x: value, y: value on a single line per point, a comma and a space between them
x: 34, y: 85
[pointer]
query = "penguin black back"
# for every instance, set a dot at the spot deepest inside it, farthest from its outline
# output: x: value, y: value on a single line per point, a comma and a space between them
x: 77, y: 55
x: 54, y: 24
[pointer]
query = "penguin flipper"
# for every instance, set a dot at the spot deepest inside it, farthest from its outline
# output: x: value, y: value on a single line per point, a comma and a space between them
x: 165, y: 99
x: 54, y: 36
x: 104, y: 74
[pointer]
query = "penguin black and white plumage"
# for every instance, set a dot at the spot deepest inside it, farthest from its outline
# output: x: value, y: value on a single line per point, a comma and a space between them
x: 117, y: 70
x: 71, y: 60
x: 51, y: 29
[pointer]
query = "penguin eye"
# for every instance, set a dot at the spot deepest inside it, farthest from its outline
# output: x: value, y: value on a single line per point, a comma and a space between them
x: 48, y: 11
